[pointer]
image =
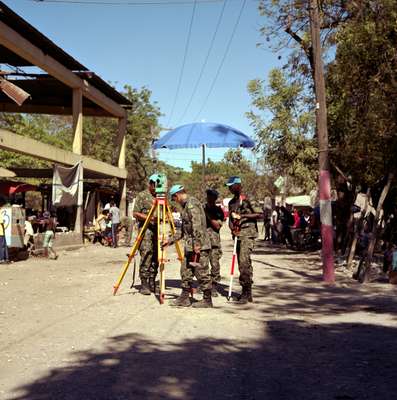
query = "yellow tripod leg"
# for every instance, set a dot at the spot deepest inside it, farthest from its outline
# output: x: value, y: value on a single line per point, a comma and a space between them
x: 173, y: 230
x: 134, y: 249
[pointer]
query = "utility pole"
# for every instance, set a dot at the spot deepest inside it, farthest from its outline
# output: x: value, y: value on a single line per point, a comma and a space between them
x: 322, y: 137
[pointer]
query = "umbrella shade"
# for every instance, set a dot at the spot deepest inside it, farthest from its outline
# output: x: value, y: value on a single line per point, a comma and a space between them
x: 203, y: 133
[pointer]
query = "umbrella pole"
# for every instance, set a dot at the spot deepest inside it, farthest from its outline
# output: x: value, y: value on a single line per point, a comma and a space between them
x: 203, y: 169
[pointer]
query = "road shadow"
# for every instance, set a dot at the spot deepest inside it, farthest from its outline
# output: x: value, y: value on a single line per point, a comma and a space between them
x: 295, y: 360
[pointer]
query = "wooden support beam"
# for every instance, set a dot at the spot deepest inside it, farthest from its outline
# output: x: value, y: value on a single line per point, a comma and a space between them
x: 21, y: 144
x: 123, y: 197
x: 77, y: 121
x: 52, y: 110
x: 6, y: 173
x: 119, y: 143
x: 79, y: 221
x: 13, y: 41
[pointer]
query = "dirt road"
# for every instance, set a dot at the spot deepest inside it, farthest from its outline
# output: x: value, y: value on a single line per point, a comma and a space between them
x: 63, y: 336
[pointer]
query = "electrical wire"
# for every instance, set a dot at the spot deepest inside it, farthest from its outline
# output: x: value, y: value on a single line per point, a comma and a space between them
x: 127, y: 3
x: 222, y: 61
x: 183, y: 62
x: 205, y: 62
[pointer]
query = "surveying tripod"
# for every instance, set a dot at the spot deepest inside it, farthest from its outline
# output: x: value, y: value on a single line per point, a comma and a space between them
x: 164, y: 216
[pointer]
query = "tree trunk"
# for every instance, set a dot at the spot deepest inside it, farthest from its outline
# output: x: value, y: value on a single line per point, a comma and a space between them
x: 371, y: 246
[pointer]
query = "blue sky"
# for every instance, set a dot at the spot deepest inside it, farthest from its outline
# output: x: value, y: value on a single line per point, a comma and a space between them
x: 144, y: 46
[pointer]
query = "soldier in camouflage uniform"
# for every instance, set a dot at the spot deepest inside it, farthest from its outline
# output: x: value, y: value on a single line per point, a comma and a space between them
x: 242, y: 222
x: 197, y: 248
x: 148, y: 250
x: 215, y: 218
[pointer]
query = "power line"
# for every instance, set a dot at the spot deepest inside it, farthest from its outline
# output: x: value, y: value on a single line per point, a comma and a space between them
x: 127, y: 3
x: 184, y: 62
x: 205, y: 62
x: 223, y: 60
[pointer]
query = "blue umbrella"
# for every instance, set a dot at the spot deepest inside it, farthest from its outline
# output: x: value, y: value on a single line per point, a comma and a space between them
x: 203, y: 134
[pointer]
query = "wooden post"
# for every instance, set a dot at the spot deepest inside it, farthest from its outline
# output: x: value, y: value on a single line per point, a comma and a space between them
x: 78, y: 121
x: 78, y: 149
x: 322, y: 136
x: 121, y: 164
x: 372, y: 243
x: 357, y: 229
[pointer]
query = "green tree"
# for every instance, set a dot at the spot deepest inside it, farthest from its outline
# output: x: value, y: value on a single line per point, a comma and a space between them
x: 362, y: 88
x: 282, y: 118
x: 216, y: 174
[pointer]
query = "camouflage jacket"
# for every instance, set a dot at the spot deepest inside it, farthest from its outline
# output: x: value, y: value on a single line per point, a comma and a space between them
x: 242, y: 205
x: 143, y: 204
x: 194, y: 225
x: 214, y: 213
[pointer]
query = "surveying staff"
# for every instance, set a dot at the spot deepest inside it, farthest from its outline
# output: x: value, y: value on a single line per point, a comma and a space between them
x: 197, y: 248
x: 148, y: 250
x: 242, y: 223
x: 215, y: 218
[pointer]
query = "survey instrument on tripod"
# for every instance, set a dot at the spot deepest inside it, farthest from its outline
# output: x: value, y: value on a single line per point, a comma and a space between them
x: 234, y: 259
x: 159, y: 212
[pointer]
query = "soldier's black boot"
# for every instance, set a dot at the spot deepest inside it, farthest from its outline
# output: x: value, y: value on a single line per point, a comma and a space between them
x: 183, y: 300
x: 145, y: 289
x: 153, y: 287
x: 206, y: 302
x: 214, y: 290
x: 245, y: 296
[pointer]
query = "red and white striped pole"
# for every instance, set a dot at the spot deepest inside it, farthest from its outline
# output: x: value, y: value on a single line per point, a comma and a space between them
x: 234, y: 258
x: 322, y: 136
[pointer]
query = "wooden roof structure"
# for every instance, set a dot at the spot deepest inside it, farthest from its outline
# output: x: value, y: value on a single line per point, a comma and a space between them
x: 58, y: 85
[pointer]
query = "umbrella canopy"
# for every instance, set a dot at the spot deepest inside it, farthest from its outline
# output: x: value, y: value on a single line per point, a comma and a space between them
x: 203, y: 134
x: 9, y: 188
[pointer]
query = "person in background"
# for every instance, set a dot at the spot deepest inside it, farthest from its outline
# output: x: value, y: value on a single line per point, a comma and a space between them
x: 267, y: 213
x: 28, y: 237
x: 100, y: 227
x: 287, y: 220
x: 49, y: 236
x: 296, y: 219
x: 115, y: 218
x: 273, y: 224
x: 3, y: 243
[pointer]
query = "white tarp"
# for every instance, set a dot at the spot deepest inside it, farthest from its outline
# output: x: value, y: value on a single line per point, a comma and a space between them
x: 65, y: 186
x: 299, y: 201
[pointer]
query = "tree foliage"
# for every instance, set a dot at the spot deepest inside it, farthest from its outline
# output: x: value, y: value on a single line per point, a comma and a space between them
x: 282, y: 118
x: 216, y: 174
x: 362, y: 88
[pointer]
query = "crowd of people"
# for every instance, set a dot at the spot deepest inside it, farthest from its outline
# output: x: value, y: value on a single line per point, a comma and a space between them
x: 296, y: 228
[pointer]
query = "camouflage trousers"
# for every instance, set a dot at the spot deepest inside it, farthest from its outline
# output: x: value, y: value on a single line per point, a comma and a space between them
x: 215, y: 255
x: 201, y: 271
x: 245, y: 246
x: 148, y: 266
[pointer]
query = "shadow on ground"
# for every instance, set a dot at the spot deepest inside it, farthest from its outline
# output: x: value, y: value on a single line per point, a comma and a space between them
x: 297, y: 360
x: 294, y: 286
